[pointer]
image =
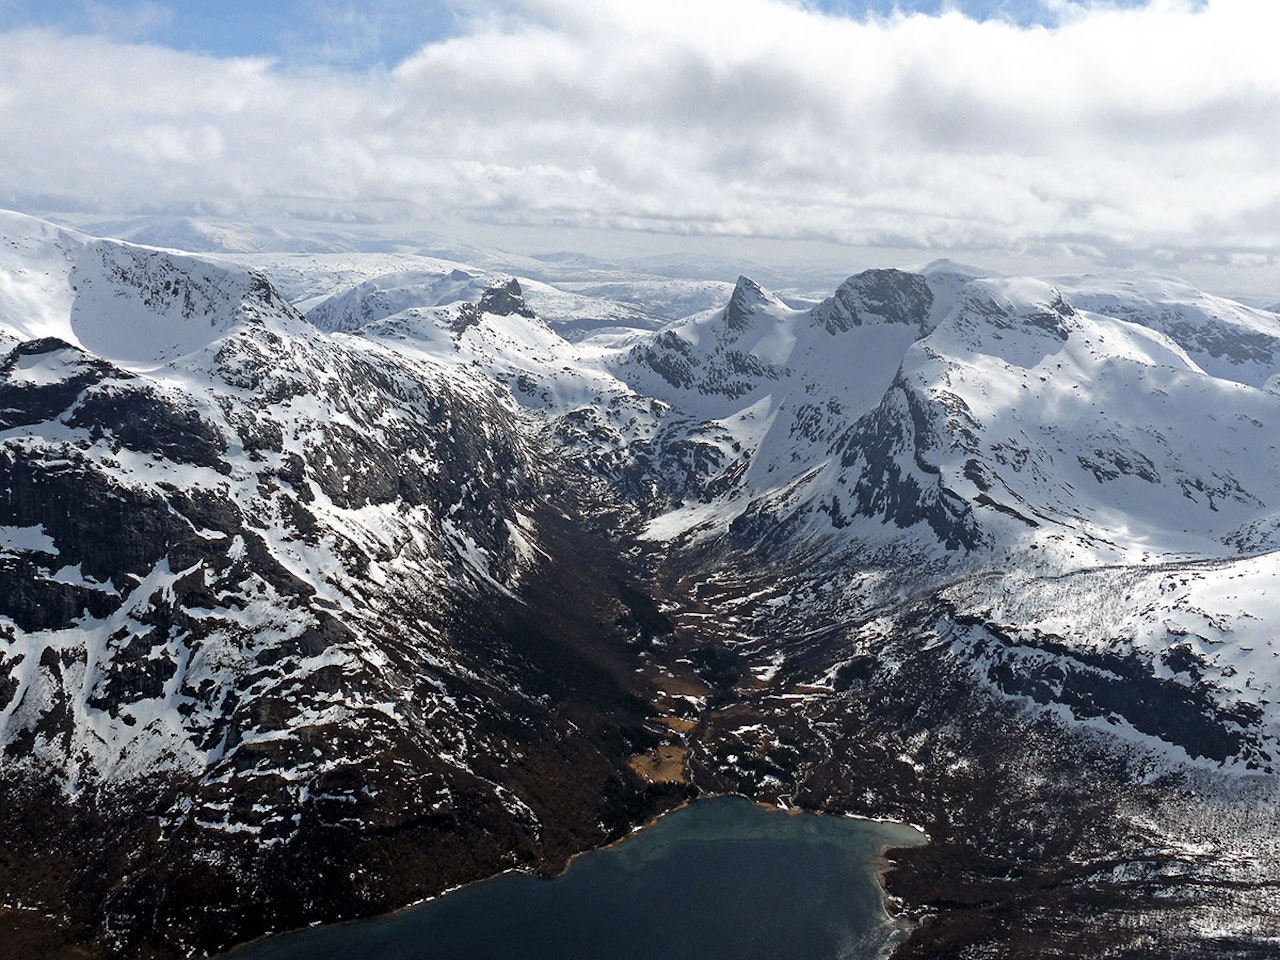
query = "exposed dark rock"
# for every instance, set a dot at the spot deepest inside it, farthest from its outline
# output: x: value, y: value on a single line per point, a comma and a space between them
x: 109, y: 530
x: 876, y: 296
x: 668, y: 356
x: 873, y: 453
x: 144, y: 421
x: 30, y: 400
x: 505, y: 300
x: 739, y: 315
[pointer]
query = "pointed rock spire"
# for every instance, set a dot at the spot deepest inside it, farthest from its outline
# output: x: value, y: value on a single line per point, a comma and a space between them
x: 748, y: 297
x: 504, y: 299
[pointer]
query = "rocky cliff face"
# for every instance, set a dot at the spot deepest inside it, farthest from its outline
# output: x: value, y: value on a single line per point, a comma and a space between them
x: 304, y: 617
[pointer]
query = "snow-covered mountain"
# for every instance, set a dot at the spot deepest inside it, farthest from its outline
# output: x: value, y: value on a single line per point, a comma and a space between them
x: 258, y: 582
x: 997, y: 436
x: 328, y: 602
x: 185, y: 441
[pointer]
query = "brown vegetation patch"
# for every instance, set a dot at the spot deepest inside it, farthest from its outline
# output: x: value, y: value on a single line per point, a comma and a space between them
x: 664, y: 764
x: 678, y: 724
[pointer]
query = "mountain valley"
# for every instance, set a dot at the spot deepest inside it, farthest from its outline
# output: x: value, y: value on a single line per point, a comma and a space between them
x: 333, y: 580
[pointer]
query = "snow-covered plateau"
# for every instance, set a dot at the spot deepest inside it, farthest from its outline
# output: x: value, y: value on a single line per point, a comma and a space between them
x: 332, y: 579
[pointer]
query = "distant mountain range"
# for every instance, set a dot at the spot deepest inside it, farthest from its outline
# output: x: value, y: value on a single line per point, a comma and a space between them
x: 332, y: 579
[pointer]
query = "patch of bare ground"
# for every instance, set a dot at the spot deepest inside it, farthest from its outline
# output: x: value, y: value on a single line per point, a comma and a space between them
x: 663, y: 764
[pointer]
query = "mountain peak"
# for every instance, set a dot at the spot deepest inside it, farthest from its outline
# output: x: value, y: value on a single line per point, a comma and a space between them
x: 141, y: 305
x: 748, y: 297
x: 505, y: 298
x: 876, y: 297
x: 945, y: 266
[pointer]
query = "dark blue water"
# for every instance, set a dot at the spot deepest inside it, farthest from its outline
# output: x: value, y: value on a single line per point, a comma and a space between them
x: 722, y: 879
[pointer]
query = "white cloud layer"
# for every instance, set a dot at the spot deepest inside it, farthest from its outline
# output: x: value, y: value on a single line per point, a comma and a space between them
x: 1143, y: 135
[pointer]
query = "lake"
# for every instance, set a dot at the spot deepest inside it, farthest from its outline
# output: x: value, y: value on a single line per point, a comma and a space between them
x: 721, y: 879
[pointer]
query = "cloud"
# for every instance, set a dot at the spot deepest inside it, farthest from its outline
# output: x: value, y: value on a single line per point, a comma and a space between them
x: 130, y: 21
x: 1125, y: 131
x: 352, y: 34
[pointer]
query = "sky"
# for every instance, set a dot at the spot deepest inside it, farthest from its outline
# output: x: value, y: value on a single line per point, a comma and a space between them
x: 378, y: 32
x: 1049, y: 135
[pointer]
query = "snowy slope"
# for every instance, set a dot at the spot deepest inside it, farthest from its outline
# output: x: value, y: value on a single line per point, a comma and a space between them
x: 993, y: 409
x: 1227, y: 340
x: 35, y: 294
x: 198, y: 482
x: 1205, y: 631
x: 1094, y: 438
x: 431, y: 285
x: 130, y: 304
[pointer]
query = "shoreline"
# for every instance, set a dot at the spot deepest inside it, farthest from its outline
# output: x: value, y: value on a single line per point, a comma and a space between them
x: 230, y: 952
x: 880, y: 866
